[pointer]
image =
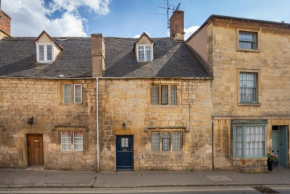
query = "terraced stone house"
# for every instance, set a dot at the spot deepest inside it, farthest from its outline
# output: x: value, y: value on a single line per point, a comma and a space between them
x: 104, y: 103
x: 250, y: 63
x: 219, y: 100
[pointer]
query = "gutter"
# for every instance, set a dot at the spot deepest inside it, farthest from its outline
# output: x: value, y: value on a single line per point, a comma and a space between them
x: 97, y: 124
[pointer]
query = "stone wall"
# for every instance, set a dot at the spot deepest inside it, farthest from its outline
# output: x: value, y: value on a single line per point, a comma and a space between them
x: 272, y: 64
x: 128, y: 101
x: 21, y: 99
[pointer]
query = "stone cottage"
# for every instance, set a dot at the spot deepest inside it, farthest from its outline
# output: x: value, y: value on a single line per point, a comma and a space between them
x: 105, y: 103
x: 250, y: 63
x: 47, y: 102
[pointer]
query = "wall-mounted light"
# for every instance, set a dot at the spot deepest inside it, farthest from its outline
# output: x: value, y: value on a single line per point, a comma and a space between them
x: 30, y: 121
x: 124, y: 126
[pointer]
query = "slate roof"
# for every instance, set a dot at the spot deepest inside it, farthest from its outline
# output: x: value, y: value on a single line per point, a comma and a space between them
x: 171, y: 59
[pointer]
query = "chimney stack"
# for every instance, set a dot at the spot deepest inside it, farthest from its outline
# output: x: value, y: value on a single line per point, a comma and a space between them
x: 5, y: 21
x: 98, y: 55
x: 177, y: 25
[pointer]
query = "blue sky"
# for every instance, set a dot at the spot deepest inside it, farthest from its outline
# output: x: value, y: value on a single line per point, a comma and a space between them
x: 128, y: 18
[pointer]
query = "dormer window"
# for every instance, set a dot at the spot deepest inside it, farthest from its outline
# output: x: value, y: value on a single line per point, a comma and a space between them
x: 145, y: 53
x: 47, y: 49
x: 45, y: 53
x: 143, y: 48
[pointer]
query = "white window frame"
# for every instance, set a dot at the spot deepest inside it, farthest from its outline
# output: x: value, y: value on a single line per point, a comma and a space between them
x: 73, y: 132
x: 61, y: 141
x: 144, y: 45
x: 45, y: 52
x: 75, y: 93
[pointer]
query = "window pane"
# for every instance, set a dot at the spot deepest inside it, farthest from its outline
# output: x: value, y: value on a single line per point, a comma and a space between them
x: 67, y: 93
x: 78, y: 93
x: 154, y: 94
x: 148, y: 53
x: 78, y: 140
x: 248, y: 40
x: 255, y: 141
x: 176, y: 141
x: 41, y: 52
x: 155, y: 138
x: 141, y: 53
x: 66, y: 140
x: 164, y: 95
x: 49, y: 52
x: 124, y: 142
x: 165, y: 141
x: 173, y: 95
x: 239, y: 141
x: 248, y: 87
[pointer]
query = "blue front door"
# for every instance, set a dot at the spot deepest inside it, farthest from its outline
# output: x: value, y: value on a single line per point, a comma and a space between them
x: 124, y: 155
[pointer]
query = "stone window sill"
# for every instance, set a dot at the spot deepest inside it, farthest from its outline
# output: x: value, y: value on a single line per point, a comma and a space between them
x: 164, y: 106
x: 245, y: 159
x: 248, y: 50
x: 249, y: 104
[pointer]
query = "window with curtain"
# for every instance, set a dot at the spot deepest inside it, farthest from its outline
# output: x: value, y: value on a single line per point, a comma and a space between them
x: 78, y: 140
x: 167, y: 140
x: 78, y: 93
x: 145, y: 53
x: 67, y: 93
x: 248, y: 40
x: 248, y: 87
x: 66, y: 140
x: 249, y: 141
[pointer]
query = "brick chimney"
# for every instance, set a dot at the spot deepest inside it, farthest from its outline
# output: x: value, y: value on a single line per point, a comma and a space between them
x: 5, y: 21
x: 177, y: 25
x: 98, y: 55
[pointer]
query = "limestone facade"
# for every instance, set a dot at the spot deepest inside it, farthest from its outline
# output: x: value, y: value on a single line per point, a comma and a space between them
x: 21, y: 99
x: 128, y: 101
x: 271, y: 62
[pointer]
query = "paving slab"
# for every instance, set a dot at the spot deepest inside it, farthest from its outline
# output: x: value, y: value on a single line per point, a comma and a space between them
x: 15, y: 178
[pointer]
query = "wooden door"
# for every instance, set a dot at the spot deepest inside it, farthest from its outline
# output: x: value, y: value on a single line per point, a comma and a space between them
x: 35, y: 149
x: 124, y: 149
x: 283, y: 146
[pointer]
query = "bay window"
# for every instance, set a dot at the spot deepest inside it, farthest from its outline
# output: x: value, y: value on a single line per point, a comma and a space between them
x: 249, y: 141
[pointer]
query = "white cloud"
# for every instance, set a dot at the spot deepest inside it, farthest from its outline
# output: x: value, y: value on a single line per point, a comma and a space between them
x: 189, y: 31
x: 138, y: 35
x: 29, y: 17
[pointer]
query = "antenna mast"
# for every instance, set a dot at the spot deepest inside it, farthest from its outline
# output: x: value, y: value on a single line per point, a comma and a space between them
x: 168, y: 8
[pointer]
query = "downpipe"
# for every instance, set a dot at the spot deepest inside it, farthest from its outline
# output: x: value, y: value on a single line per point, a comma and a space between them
x: 97, y: 124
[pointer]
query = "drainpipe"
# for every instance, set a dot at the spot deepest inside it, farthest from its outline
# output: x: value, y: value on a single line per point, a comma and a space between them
x: 97, y: 123
x: 212, y: 139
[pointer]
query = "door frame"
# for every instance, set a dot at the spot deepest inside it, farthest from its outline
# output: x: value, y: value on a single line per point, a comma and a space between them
x: 287, y: 144
x: 27, y: 148
x: 132, y: 152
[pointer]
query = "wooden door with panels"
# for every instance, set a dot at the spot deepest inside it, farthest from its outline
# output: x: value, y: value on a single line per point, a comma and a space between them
x: 35, y: 149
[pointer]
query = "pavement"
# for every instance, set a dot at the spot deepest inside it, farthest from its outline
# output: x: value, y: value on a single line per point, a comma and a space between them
x: 31, y: 178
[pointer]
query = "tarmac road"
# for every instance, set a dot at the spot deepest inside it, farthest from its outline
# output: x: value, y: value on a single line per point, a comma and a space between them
x: 175, y: 190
